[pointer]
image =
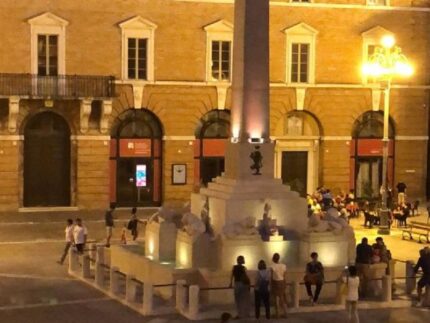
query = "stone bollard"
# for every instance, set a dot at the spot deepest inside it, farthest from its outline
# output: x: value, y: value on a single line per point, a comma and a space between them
x: 86, y: 270
x: 411, y: 280
x: 73, y: 260
x: 386, y: 289
x: 100, y: 254
x: 193, y: 310
x: 148, y: 293
x: 181, y: 295
x: 99, y: 275
x: 130, y: 289
x: 114, y: 280
x: 340, y: 294
x: 296, y: 294
x: 93, y: 254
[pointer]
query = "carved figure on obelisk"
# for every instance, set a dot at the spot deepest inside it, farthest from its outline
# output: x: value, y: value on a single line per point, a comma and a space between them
x: 257, y: 158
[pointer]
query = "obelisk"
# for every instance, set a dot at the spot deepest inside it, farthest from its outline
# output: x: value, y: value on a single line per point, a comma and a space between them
x: 250, y: 98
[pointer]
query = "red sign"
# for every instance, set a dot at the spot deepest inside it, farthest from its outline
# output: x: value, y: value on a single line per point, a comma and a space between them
x: 135, y: 147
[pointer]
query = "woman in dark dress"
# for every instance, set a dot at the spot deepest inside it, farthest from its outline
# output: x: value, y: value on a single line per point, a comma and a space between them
x: 242, y: 286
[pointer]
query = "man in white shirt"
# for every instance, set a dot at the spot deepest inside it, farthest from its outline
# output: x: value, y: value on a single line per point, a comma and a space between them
x: 69, y: 240
x: 80, y: 234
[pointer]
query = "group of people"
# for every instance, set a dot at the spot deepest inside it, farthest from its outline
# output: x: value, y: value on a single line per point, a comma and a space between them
x: 271, y: 282
x: 76, y: 233
x: 423, y: 264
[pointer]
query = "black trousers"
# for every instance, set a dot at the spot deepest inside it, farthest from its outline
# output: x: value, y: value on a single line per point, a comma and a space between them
x: 260, y: 297
x: 317, y: 290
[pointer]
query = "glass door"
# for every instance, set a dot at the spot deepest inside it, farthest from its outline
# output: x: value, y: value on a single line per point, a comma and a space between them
x: 368, y: 177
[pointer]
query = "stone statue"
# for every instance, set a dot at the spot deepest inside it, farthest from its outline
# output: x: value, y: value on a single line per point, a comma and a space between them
x: 244, y: 227
x: 193, y: 225
x: 163, y: 213
x: 204, y: 215
x: 267, y: 227
x: 257, y: 159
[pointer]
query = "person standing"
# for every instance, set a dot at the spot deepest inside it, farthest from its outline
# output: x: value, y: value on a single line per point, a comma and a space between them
x: 314, y: 276
x: 133, y: 223
x: 261, y: 289
x: 80, y: 234
x: 352, y: 284
x: 109, y: 222
x: 401, y: 193
x: 364, y: 254
x: 69, y: 240
x: 279, y: 271
x: 242, y: 286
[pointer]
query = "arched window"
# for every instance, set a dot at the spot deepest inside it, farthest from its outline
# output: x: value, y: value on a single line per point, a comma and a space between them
x: 371, y: 125
x: 135, y: 156
x: 211, y: 134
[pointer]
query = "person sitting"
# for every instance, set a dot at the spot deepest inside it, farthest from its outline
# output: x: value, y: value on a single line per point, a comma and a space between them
x: 406, y: 212
x: 314, y: 276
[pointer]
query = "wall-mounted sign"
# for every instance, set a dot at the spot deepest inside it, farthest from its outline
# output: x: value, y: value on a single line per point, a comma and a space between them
x: 135, y: 148
x: 141, y: 176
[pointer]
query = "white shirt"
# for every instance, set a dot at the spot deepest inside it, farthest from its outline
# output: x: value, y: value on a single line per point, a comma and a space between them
x: 69, y: 233
x: 352, y: 288
x: 279, y: 271
x: 79, y: 234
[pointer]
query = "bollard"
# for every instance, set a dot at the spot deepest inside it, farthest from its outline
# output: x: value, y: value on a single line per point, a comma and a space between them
x: 73, y: 260
x: 148, y: 291
x: 426, y: 297
x: 340, y: 292
x: 100, y: 254
x: 93, y: 254
x: 296, y: 294
x: 411, y: 281
x: 130, y: 289
x: 99, y: 275
x: 114, y: 280
x: 193, y: 311
x: 86, y: 271
x: 181, y: 296
x: 386, y: 288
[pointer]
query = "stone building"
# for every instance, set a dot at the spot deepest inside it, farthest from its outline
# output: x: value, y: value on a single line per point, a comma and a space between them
x: 128, y: 101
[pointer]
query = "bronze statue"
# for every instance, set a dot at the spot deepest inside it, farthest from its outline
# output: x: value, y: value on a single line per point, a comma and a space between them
x: 257, y: 158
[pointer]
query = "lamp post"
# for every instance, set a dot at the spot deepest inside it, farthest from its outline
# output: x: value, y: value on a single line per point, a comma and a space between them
x: 385, y: 63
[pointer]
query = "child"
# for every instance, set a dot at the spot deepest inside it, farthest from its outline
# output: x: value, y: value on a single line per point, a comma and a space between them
x: 123, y: 234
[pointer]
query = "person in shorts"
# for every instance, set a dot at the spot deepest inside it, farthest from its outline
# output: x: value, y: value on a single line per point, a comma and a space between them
x: 279, y: 271
x: 80, y: 234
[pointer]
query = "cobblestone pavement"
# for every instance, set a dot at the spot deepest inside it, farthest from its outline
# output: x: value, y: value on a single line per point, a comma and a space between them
x: 33, y: 288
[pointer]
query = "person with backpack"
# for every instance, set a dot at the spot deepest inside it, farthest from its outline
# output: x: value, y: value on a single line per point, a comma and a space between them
x: 261, y: 289
x: 132, y: 224
x: 242, y: 287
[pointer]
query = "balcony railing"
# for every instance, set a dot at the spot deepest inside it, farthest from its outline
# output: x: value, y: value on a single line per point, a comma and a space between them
x: 57, y: 87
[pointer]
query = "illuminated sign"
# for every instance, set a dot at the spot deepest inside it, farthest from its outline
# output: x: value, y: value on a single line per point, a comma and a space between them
x: 140, y: 175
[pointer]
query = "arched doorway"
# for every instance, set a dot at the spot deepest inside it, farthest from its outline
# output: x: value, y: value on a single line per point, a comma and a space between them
x: 297, y: 147
x: 46, y: 161
x: 211, y: 135
x: 135, y: 159
x: 366, y: 155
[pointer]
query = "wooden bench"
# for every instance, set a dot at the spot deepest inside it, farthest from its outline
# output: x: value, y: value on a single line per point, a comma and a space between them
x: 421, y: 229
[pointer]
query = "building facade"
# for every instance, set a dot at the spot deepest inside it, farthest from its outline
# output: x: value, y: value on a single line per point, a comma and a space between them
x: 128, y: 101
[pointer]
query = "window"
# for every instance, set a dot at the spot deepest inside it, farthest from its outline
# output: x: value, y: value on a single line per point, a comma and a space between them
x: 138, y: 49
x: 47, y: 55
x: 48, y: 44
x: 299, y: 63
x: 221, y: 60
x: 219, y: 51
x: 300, y: 53
x: 137, y: 58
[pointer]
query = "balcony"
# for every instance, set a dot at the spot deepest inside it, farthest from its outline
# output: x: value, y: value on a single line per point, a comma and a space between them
x: 57, y: 87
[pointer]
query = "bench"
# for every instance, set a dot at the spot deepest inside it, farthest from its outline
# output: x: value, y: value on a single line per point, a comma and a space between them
x: 421, y: 229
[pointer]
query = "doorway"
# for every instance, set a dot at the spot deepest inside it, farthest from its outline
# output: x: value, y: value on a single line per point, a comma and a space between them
x: 211, y: 167
x: 46, y: 161
x: 134, y: 182
x: 368, y: 177
x: 295, y: 170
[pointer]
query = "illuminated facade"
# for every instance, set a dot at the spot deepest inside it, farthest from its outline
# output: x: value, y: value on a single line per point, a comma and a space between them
x: 128, y: 101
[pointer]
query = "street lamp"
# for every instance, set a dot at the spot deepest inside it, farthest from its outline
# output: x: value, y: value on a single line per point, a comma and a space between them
x: 385, y: 63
